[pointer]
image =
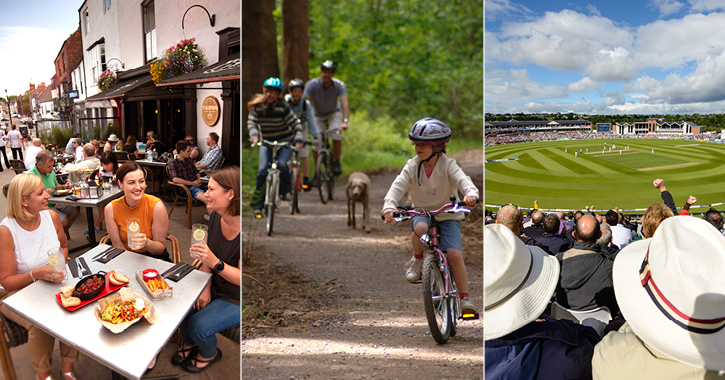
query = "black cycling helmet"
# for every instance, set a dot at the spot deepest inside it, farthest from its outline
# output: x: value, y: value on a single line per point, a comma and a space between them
x: 328, y: 65
x: 297, y: 82
x: 430, y: 131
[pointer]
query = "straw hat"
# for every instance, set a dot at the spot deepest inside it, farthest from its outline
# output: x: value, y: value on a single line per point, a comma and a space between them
x: 113, y: 137
x: 518, y: 280
x: 671, y: 290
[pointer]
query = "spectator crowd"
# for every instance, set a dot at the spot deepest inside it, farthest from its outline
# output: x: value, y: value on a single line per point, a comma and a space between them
x: 594, y: 295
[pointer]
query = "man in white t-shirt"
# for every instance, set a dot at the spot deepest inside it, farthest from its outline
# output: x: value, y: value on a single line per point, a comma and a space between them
x: 31, y: 152
x: 16, y: 142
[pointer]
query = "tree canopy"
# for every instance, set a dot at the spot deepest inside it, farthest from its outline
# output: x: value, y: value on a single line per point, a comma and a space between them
x: 405, y: 59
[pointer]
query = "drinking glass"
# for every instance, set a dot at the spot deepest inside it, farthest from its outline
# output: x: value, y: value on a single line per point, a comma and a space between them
x: 77, y: 189
x: 56, y: 259
x: 199, y: 233
x: 133, y: 228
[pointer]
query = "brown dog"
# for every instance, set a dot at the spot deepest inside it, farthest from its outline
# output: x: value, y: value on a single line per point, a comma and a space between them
x: 357, y: 191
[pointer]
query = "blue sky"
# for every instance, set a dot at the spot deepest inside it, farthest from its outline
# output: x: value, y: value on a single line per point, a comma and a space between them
x: 31, y: 34
x: 605, y: 57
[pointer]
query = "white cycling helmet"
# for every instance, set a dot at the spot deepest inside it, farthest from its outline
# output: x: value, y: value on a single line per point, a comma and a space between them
x: 430, y: 131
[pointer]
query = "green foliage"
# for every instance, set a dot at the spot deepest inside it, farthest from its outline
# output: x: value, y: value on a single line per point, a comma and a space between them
x: 374, y: 144
x: 408, y: 59
x: 56, y: 136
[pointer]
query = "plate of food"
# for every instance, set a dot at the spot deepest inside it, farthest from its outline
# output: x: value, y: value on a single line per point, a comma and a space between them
x: 62, y: 192
x: 154, y: 284
x: 89, y: 289
x: 120, y: 310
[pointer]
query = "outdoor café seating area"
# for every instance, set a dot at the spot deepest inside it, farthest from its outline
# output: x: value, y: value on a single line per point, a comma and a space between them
x: 104, y: 354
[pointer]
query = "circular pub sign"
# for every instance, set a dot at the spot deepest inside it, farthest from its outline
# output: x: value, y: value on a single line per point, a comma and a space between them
x: 210, y: 110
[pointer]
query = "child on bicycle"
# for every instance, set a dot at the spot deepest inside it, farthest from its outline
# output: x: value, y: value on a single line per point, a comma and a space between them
x: 304, y: 112
x: 429, y: 189
x: 272, y: 118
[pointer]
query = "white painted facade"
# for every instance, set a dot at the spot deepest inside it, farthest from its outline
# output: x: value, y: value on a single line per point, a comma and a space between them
x: 99, y: 21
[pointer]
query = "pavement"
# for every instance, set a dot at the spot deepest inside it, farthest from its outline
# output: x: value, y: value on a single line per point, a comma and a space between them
x: 86, y: 368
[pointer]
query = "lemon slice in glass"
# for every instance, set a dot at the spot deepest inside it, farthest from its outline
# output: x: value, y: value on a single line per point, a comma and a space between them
x: 133, y: 227
x: 199, y: 235
x: 53, y: 261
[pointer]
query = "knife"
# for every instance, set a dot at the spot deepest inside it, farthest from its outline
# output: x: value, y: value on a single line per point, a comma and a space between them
x: 174, y: 268
x: 85, y: 266
x: 181, y: 274
x: 98, y: 256
x: 79, y: 267
x: 72, y: 265
x: 112, y: 255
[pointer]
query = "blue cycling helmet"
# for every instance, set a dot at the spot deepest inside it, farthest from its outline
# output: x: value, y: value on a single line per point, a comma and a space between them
x: 430, y: 131
x: 274, y: 83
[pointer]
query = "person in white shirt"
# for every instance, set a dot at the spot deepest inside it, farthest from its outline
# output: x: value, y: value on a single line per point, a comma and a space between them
x: 621, y: 235
x: 33, y: 151
x: 16, y: 142
x: 89, y: 163
x: 3, y: 139
x: 78, y: 150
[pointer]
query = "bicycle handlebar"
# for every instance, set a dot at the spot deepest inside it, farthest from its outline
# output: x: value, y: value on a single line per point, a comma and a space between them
x: 409, y: 212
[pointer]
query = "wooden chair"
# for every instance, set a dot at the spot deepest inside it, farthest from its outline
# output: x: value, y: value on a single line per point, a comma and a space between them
x: 175, y: 252
x: 18, y: 166
x: 149, y: 176
x: 13, y: 335
x: 121, y: 156
x: 182, y: 194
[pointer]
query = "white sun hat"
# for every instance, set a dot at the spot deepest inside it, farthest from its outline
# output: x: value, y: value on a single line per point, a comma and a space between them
x: 518, y: 280
x: 112, y: 137
x: 671, y: 290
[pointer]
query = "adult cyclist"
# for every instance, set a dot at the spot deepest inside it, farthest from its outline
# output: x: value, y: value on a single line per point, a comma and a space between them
x: 304, y: 112
x: 272, y: 118
x: 330, y: 113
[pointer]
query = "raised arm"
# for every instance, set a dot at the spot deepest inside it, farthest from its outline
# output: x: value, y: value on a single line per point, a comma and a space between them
x: 666, y: 196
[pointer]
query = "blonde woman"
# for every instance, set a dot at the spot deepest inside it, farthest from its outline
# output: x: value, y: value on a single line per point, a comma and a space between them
x: 28, y: 232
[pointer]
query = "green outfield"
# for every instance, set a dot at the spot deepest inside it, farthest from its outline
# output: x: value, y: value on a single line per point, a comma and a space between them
x: 550, y: 173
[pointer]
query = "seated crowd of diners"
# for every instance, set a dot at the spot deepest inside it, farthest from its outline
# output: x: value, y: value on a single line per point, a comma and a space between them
x: 33, y: 227
x: 659, y: 282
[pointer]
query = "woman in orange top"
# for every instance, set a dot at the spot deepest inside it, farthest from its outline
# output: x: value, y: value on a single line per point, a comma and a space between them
x: 136, y: 204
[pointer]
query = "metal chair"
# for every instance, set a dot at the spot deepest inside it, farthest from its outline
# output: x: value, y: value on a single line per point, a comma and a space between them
x: 121, y: 156
x: 175, y: 252
x: 179, y: 197
x: 18, y: 166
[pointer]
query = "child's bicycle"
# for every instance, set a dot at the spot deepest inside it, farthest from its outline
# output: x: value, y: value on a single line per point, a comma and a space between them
x: 324, y: 172
x: 440, y: 295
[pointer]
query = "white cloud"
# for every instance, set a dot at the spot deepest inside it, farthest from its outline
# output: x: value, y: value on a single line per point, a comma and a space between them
x: 612, y: 65
x: 584, y: 84
x: 593, y: 10
x: 495, y: 9
x: 706, y: 5
x: 667, y: 7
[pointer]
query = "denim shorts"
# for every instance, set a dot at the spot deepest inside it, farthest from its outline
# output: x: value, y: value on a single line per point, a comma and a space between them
x: 449, y: 231
x: 196, y: 190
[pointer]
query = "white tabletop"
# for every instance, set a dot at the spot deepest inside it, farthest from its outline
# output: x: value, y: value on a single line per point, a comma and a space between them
x: 131, y: 351
x: 151, y: 163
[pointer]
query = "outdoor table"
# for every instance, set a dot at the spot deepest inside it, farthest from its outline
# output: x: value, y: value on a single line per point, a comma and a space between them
x: 89, y: 204
x: 160, y: 169
x: 127, y: 353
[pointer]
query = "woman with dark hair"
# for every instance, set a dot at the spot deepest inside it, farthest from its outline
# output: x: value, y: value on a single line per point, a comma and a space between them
x: 217, y: 308
x: 130, y: 148
x: 109, y: 166
x: 135, y: 203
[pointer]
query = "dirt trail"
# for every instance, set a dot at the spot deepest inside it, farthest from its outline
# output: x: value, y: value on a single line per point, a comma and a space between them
x: 345, y: 310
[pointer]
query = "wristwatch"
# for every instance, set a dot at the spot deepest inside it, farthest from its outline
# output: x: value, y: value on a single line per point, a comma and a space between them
x: 218, y: 267
x: 344, y: 120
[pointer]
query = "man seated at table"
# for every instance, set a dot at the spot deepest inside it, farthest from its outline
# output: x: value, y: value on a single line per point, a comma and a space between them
x: 111, y: 144
x: 43, y: 168
x: 89, y: 162
x: 212, y: 160
x: 33, y: 151
x: 183, y: 171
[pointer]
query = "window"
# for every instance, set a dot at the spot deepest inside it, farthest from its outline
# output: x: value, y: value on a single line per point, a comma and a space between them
x: 86, y: 21
x: 97, y: 61
x: 149, y: 29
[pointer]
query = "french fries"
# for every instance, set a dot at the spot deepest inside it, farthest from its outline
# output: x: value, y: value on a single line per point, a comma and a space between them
x: 157, y: 284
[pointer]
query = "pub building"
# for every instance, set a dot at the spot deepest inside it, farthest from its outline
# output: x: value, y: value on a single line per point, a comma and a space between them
x: 198, y: 103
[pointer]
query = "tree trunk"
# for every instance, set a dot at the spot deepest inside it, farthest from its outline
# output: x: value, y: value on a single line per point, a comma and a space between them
x: 259, y: 50
x: 295, y: 40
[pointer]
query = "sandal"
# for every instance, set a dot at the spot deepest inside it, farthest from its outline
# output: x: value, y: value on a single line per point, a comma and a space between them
x: 190, y: 365
x: 149, y: 369
x: 182, y: 354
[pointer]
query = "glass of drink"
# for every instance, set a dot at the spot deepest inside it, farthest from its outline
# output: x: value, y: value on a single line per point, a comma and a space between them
x: 56, y: 259
x: 133, y: 228
x: 199, y: 234
x: 77, y: 189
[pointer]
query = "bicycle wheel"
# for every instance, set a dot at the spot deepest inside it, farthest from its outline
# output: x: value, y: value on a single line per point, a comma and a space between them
x: 453, y: 305
x: 323, y: 169
x: 436, y: 305
x: 331, y: 179
x: 272, y: 193
x: 295, y: 175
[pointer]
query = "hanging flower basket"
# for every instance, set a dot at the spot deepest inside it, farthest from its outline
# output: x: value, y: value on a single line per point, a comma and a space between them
x: 107, y: 80
x: 179, y: 59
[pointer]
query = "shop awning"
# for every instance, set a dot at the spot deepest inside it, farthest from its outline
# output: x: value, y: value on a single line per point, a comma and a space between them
x: 123, y: 87
x: 226, y: 69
